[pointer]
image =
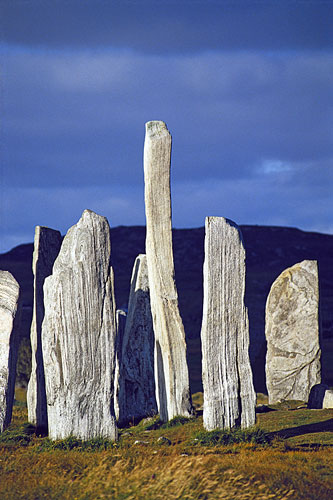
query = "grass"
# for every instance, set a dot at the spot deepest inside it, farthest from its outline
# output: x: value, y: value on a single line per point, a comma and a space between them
x: 288, y: 455
x: 226, y: 437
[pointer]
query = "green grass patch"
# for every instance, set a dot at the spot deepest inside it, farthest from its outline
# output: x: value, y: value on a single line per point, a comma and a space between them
x: 175, y: 421
x: 146, y: 424
x: 17, y: 436
x: 231, y: 436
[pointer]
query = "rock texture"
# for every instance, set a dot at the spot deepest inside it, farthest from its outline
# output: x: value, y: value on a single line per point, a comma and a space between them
x: 321, y: 397
x: 120, y: 328
x: 171, y: 371
x: 46, y: 248
x: 317, y: 395
x: 136, y: 393
x: 229, y: 397
x: 78, y: 334
x: 292, y: 333
x: 328, y: 399
x: 9, y: 297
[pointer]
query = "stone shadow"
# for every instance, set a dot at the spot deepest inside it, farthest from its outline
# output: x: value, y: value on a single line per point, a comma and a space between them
x: 325, y: 426
x: 162, y: 396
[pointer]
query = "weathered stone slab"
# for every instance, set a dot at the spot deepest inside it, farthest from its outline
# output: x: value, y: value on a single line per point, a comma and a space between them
x: 136, y: 394
x: 292, y: 333
x: 321, y: 397
x: 9, y: 342
x: 229, y: 397
x: 78, y: 334
x: 46, y: 248
x: 316, y: 396
x: 120, y: 326
x: 171, y: 371
x: 328, y: 399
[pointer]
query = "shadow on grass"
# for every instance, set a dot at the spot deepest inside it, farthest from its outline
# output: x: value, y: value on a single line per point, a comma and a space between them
x: 264, y: 409
x: 22, y: 435
x: 326, y: 426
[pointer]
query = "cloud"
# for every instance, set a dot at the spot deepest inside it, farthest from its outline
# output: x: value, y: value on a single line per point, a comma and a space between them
x: 264, y: 199
x: 274, y: 166
x: 245, y: 89
x: 296, y: 198
x: 78, y: 118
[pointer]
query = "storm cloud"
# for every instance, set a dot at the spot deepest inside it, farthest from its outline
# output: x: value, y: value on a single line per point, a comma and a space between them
x: 250, y: 115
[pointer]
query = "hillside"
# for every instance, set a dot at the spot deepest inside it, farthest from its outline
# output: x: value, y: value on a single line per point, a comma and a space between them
x: 269, y: 251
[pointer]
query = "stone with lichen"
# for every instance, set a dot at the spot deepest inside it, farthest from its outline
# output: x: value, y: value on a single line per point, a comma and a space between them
x: 9, y: 341
x: 171, y: 370
x: 47, y: 244
x: 292, y: 333
x: 78, y: 334
x: 136, y: 384
x: 229, y: 397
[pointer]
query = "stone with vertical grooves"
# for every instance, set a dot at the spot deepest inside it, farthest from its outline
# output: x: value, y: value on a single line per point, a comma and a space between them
x: 229, y: 397
x: 171, y: 371
x: 120, y: 326
x: 78, y: 334
x: 9, y: 342
x: 136, y: 396
x: 46, y: 248
x: 292, y: 333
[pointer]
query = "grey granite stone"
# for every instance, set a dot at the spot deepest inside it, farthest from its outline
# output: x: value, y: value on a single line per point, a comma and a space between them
x: 46, y: 248
x: 136, y: 386
x: 292, y: 333
x: 328, y: 399
x: 321, y: 397
x: 229, y: 397
x: 78, y: 334
x: 316, y: 396
x: 171, y: 370
x: 120, y: 328
x: 9, y: 342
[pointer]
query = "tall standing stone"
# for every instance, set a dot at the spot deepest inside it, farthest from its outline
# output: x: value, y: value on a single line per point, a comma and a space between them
x: 229, y: 397
x: 9, y: 342
x: 136, y: 396
x: 46, y: 248
x: 78, y: 334
x: 292, y: 333
x: 171, y: 371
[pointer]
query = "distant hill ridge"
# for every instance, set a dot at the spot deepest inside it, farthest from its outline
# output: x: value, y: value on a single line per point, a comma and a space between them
x: 269, y: 250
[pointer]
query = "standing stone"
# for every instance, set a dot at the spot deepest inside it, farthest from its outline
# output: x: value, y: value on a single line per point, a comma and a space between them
x: 317, y: 396
x: 9, y: 342
x: 328, y: 399
x: 136, y: 397
x: 171, y: 371
x: 292, y: 333
x: 229, y: 397
x: 120, y: 327
x: 46, y: 248
x: 78, y: 334
x: 321, y: 397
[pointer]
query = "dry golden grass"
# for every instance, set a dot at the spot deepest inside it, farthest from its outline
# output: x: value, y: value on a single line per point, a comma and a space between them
x: 262, y: 398
x: 289, y: 468
x: 246, y: 474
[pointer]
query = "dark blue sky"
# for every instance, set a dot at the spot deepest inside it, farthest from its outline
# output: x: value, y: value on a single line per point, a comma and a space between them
x: 245, y: 87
